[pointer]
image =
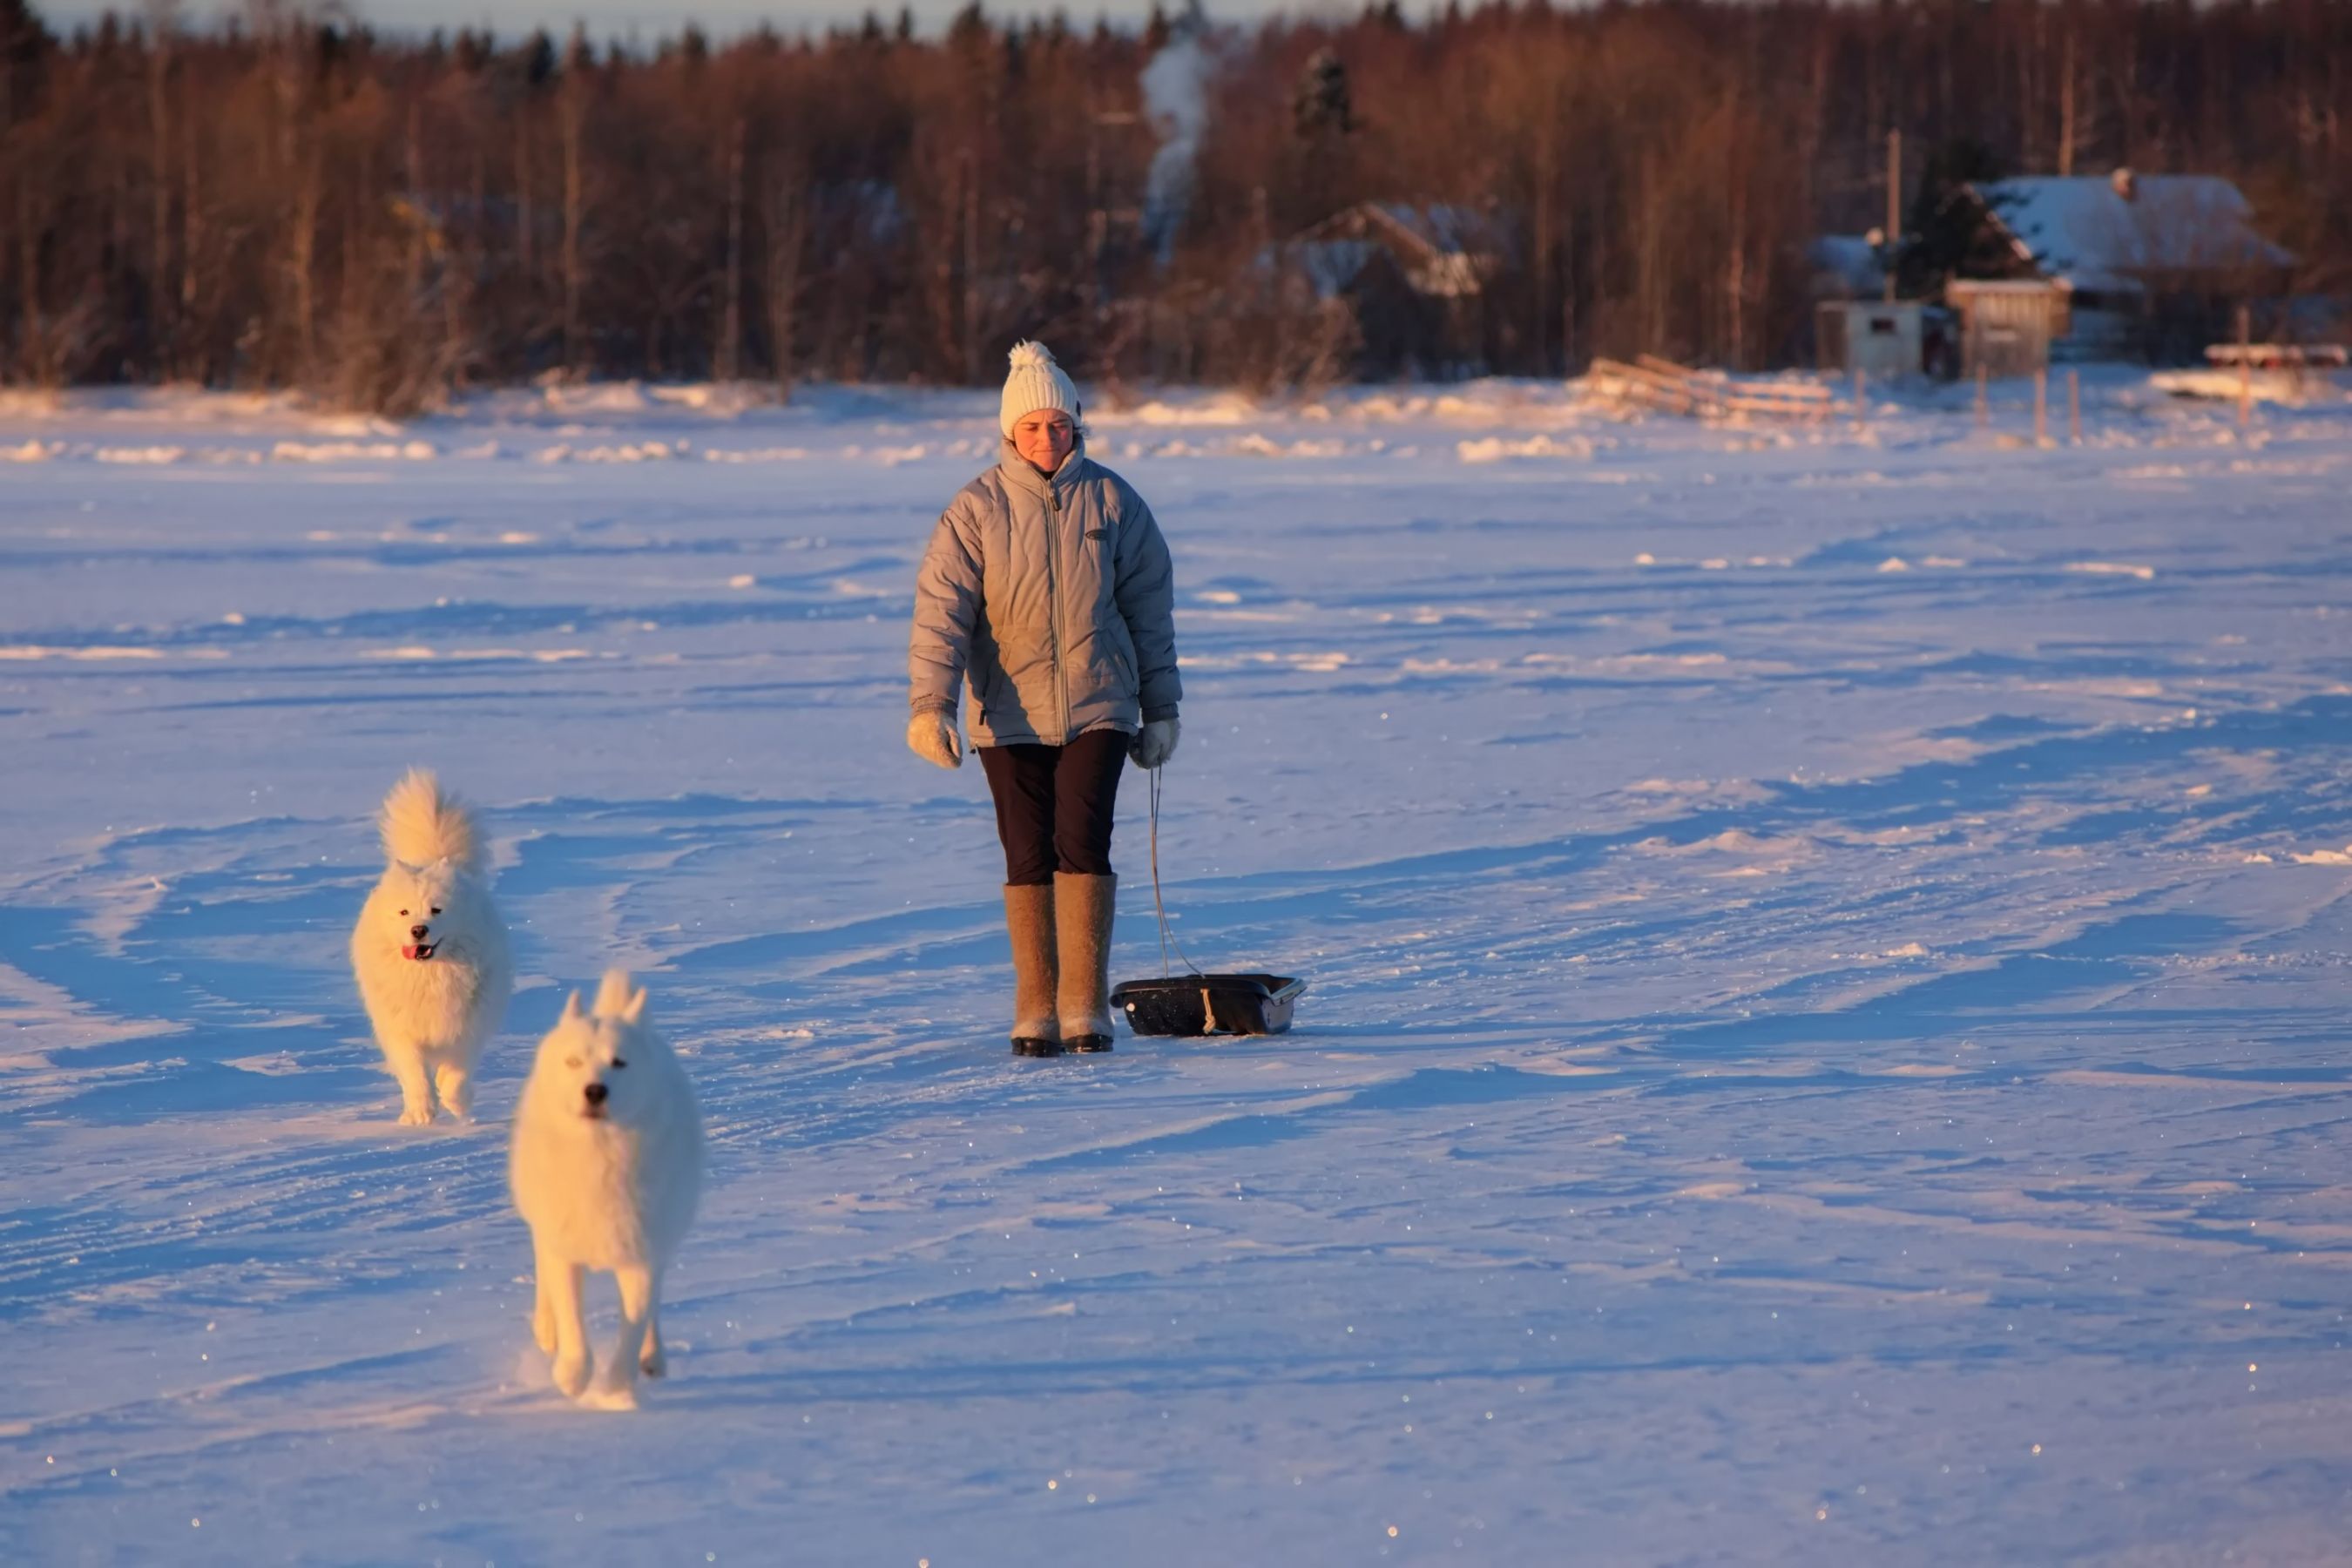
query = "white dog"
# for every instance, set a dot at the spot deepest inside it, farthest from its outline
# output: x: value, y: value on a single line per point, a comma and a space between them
x: 430, y: 951
x: 606, y: 1168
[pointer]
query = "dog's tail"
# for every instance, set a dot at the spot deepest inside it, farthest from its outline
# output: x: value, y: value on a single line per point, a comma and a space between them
x: 422, y: 824
x: 617, y: 998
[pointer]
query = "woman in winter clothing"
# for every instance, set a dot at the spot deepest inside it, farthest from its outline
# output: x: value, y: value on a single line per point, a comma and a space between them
x: 1047, y: 592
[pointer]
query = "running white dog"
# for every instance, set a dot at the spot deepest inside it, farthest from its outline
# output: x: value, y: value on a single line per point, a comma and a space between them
x: 430, y: 951
x: 606, y: 1167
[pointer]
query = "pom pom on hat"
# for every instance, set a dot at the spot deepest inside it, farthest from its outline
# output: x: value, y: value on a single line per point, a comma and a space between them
x: 1035, y: 381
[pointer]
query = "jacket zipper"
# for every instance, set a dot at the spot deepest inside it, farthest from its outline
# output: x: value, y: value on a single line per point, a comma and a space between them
x: 1053, y: 609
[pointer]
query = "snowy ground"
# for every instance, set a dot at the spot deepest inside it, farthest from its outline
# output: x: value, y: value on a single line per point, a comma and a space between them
x: 1827, y: 1040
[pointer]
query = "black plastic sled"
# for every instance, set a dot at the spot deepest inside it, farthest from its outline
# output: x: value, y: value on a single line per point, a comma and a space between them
x: 1209, y: 1004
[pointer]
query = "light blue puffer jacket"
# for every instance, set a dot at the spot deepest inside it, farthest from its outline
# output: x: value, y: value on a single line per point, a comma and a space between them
x: 1053, y: 600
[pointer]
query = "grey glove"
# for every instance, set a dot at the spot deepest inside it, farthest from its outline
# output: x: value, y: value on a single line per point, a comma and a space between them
x: 933, y: 737
x: 1155, y: 744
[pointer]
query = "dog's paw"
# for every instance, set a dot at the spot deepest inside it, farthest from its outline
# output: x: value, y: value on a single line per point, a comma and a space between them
x: 416, y: 1116
x: 621, y: 1398
x: 571, y: 1375
x: 542, y: 1328
x: 653, y: 1364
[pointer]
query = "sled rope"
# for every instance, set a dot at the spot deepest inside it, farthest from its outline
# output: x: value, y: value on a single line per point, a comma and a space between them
x: 1167, y: 937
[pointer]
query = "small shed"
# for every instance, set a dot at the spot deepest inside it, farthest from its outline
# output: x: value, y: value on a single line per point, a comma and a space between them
x: 2007, y: 325
x: 1882, y: 339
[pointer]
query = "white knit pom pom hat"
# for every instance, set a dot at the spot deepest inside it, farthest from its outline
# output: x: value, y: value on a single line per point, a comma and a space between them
x: 1035, y: 381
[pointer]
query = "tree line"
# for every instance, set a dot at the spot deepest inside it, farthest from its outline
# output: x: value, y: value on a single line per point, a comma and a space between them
x: 283, y: 201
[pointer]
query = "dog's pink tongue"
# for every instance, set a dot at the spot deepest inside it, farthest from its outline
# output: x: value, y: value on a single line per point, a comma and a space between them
x: 409, y: 951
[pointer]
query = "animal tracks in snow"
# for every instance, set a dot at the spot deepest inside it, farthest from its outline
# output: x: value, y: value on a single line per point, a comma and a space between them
x: 1753, y: 993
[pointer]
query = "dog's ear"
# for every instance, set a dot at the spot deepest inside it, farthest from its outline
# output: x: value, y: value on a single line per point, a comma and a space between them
x: 572, y: 1013
x: 634, y: 1010
x: 613, y: 996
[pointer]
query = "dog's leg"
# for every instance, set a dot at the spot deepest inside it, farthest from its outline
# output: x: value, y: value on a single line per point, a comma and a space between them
x: 407, y: 1066
x: 455, y: 1087
x: 543, y: 1306
x: 653, y: 1364
x: 620, y: 1392
x: 572, y: 1363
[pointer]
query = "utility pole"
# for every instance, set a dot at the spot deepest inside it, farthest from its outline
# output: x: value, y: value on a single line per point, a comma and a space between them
x: 1893, y: 206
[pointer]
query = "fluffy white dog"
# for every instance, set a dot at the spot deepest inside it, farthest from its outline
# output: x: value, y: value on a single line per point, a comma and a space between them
x: 606, y: 1168
x: 430, y: 951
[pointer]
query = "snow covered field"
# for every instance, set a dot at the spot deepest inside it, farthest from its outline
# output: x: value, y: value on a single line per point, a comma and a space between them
x: 1827, y: 1040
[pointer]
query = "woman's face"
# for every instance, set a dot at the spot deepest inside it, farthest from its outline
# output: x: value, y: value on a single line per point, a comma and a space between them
x: 1044, y: 438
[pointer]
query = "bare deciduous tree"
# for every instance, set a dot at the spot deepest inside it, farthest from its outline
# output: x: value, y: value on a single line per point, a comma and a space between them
x: 293, y: 202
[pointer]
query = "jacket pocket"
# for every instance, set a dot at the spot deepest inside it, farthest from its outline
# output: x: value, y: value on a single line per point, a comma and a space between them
x: 987, y: 676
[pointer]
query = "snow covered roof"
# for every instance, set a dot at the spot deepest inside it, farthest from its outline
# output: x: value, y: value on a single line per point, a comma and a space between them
x: 1442, y: 228
x: 1443, y: 249
x: 1847, y: 263
x: 1329, y: 266
x: 2109, y: 232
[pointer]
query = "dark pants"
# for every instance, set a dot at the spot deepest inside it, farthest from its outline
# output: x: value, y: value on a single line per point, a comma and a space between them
x: 1053, y: 805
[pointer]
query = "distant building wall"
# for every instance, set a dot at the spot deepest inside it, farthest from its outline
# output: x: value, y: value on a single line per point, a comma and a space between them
x: 1882, y: 340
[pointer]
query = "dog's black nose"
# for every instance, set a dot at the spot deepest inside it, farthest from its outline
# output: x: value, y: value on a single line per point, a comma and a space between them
x: 418, y: 931
x: 595, y: 1093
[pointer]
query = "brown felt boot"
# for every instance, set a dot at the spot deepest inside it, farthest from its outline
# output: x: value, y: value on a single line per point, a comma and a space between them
x: 1029, y: 922
x: 1083, y: 907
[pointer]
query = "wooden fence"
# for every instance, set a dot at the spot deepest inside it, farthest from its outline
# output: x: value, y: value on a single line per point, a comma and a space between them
x: 1661, y: 386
